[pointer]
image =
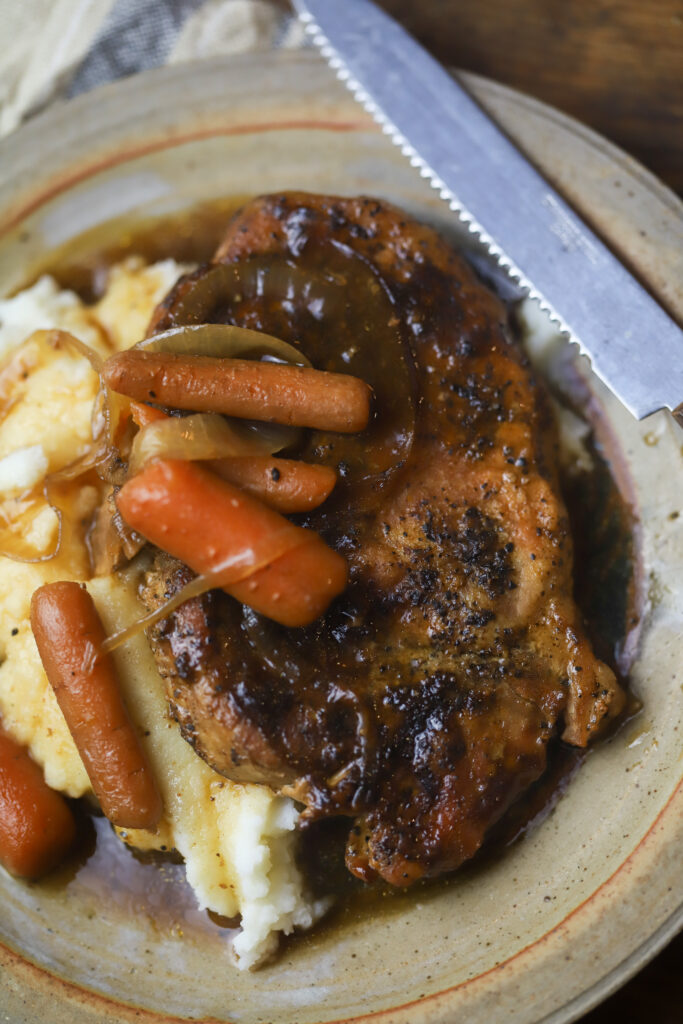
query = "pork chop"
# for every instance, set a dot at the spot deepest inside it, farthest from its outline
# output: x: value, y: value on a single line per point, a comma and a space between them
x: 422, y: 703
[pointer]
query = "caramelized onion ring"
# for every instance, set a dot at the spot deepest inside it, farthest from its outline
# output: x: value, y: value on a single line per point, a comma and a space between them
x: 235, y: 572
x: 198, y: 437
x: 201, y: 297
x: 228, y: 341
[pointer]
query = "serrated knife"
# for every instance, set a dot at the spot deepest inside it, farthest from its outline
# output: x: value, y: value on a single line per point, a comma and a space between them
x: 531, y: 231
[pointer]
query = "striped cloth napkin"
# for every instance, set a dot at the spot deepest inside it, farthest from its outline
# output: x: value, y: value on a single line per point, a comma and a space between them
x: 61, y: 48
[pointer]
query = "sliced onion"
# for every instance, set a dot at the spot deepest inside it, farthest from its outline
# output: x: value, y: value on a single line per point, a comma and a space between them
x: 201, y: 297
x: 197, y: 438
x: 34, y: 350
x: 345, y: 298
x: 225, y: 341
x: 16, y: 515
x: 22, y: 361
x: 110, y: 541
x: 208, y: 436
x: 236, y: 570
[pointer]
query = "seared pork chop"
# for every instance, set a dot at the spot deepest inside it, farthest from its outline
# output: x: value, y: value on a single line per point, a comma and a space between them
x: 422, y: 703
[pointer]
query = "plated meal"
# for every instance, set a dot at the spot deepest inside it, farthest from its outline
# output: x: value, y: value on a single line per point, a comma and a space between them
x: 544, y: 925
x: 285, y: 543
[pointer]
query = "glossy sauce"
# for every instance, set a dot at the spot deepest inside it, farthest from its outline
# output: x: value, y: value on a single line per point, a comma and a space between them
x: 599, y: 515
x: 190, y: 236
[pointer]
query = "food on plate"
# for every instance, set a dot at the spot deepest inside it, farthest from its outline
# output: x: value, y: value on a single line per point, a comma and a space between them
x: 273, y: 392
x: 400, y: 654
x: 70, y: 637
x: 238, y: 841
x: 287, y: 485
x: 277, y: 569
x: 37, y: 828
x: 421, y: 704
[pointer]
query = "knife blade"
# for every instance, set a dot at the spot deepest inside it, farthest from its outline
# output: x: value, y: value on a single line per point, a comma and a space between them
x: 532, y: 232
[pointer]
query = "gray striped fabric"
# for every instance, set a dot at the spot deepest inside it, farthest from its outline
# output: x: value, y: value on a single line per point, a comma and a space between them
x: 140, y: 34
x: 136, y: 35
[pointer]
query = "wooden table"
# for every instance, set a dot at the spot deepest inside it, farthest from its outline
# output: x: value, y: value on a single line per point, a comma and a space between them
x: 616, y: 65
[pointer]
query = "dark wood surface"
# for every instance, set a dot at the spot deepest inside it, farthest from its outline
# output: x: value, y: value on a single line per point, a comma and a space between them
x: 617, y: 66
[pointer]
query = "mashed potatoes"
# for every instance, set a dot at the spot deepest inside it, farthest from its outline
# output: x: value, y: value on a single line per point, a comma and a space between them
x: 238, y: 841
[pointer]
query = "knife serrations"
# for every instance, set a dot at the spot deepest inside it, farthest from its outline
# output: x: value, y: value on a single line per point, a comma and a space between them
x: 527, y: 227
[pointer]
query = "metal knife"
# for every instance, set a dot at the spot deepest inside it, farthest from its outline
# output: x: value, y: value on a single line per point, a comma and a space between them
x: 633, y: 345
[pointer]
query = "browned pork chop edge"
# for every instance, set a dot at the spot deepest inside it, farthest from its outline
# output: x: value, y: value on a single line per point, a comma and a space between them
x: 422, y: 703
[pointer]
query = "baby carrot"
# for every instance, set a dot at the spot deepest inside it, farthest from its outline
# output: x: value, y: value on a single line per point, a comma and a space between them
x: 283, y: 571
x: 285, y: 484
x: 272, y: 392
x: 69, y: 635
x: 37, y: 828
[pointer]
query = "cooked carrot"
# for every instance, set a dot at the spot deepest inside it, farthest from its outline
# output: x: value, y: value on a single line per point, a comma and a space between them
x: 283, y: 571
x: 285, y: 484
x: 69, y: 635
x: 37, y: 828
x: 143, y: 414
x: 273, y: 392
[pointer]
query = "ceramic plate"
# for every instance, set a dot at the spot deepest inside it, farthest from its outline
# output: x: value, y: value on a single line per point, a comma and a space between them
x: 566, y: 915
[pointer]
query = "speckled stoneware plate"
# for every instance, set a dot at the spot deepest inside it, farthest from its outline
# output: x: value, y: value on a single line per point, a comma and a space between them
x: 566, y: 915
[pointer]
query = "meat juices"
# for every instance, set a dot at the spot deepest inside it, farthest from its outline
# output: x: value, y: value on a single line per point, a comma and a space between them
x: 422, y: 703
